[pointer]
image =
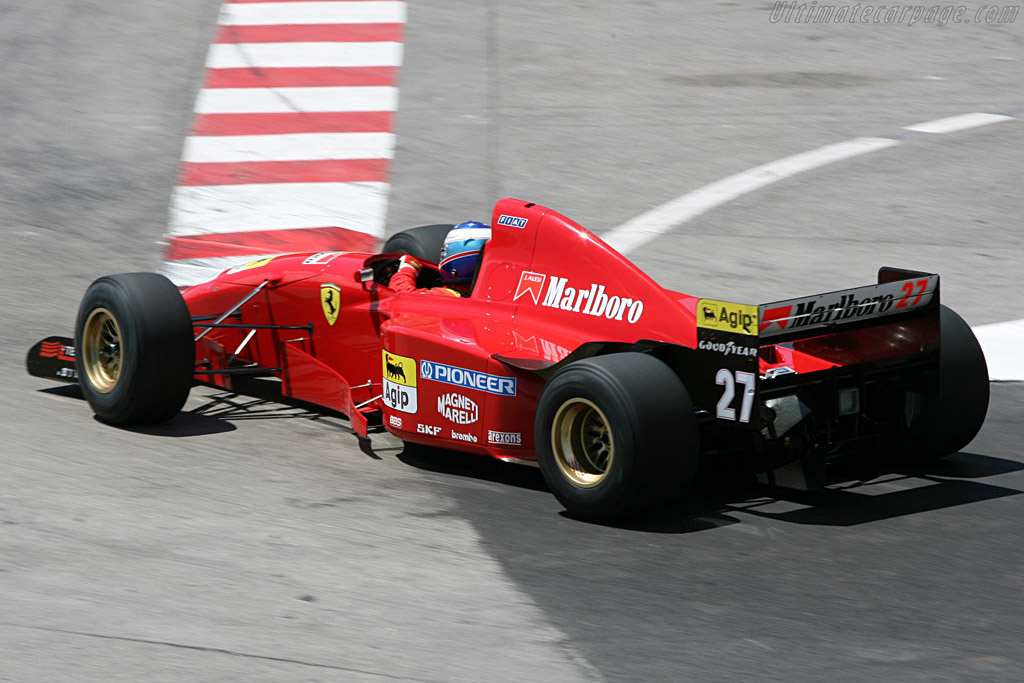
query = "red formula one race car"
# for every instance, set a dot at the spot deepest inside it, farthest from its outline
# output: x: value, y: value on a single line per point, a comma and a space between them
x: 613, y: 384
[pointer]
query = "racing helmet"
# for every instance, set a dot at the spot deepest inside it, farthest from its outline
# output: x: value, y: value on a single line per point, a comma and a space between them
x: 461, y: 252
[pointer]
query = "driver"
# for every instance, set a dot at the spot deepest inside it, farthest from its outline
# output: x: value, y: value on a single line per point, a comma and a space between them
x: 460, y: 256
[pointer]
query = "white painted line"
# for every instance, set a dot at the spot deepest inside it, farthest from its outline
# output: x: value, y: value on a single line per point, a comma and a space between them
x: 278, y: 206
x: 274, y: 13
x: 648, y: 226
x: 955, y: 123
x: 291, y: 55
x: 1003, y: 344
x: 272, y: 100
x: 289, y: 147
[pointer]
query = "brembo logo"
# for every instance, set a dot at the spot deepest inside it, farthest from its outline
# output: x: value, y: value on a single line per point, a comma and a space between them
x: 590, y: 301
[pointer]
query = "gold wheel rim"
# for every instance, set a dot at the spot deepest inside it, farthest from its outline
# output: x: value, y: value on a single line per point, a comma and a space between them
x: 582, y: 442
x: 101, y: 350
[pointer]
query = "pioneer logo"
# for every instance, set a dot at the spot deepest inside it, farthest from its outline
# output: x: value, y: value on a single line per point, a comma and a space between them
x: 592, y: 300
x: 458, y: 408
x: 469, y: 379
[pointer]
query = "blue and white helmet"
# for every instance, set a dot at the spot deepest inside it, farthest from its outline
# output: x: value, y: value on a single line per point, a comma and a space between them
x: 461, y: 252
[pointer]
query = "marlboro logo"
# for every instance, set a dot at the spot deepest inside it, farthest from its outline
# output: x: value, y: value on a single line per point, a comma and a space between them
x: 593, y: 300
x: 853, y: 304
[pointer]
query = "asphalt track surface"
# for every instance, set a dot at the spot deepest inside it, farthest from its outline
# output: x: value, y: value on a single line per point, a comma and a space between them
x: 249, y: 540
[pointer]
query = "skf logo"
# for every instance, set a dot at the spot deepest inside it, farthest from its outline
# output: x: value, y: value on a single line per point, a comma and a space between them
x: 330, y: 301
x: 399, y: 382
x: 532, y: 284
x: 727, y: 317
x: 430, y: 430
x: 399, y: 369
x: 512, y: 221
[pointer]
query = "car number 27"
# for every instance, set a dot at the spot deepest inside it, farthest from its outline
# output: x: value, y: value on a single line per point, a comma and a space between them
x: 728, y: 379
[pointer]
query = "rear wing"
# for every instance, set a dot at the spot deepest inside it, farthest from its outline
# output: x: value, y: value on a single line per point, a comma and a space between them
x: 897, y: 292
x: 749, y: 354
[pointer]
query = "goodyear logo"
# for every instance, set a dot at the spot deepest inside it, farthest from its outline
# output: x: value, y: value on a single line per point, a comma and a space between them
x: 723, y: 316
x: 399, y: 369
x: 470, y: 379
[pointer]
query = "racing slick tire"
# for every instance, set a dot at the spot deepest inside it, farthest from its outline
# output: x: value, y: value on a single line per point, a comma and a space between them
x: 616, y: 436
x: 424, y: 242
x: 942, y: 424
x: 134, y: 348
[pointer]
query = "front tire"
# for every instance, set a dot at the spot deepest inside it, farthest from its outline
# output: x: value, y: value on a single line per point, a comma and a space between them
x: 134, y: 348
x: 616, y: 436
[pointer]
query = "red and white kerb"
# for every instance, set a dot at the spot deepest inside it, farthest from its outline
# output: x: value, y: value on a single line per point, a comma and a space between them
x: 293, y: 134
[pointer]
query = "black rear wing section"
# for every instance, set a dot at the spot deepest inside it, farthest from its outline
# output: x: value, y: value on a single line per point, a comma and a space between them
x: 749, y: 354
x: 897, y: 292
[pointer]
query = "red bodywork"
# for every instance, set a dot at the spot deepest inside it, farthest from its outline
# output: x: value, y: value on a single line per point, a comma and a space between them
x: 467, y: 373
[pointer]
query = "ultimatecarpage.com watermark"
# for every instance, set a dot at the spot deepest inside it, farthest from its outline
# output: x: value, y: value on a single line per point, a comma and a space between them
x: 940, y: 15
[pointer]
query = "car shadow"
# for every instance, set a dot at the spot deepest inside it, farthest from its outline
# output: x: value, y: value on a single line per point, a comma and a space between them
x: 847, y: 500
x: 472, y: 466
x: 185, y: 423
x: 64, y: 391
x: 718, y: 498
x: 722, y: 498
x: 901, y: 491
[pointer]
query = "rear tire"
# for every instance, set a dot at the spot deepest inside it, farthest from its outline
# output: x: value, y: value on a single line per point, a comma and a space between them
x: 423, y: 242
x: 943, y: 424
x: 134, y: 349
x: 616, y: 436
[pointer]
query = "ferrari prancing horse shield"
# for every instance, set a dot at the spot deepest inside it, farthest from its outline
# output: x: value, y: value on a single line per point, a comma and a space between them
x: 330, y: 300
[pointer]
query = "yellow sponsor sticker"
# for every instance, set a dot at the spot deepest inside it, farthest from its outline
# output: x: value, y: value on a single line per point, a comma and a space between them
x: 399, y: 369
x: 723, y: 316
x: 330, y: 301
x: 253, y: 264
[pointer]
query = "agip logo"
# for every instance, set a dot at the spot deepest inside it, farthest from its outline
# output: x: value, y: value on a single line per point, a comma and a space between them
x: 723, y: 316
x: 399, y: 379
